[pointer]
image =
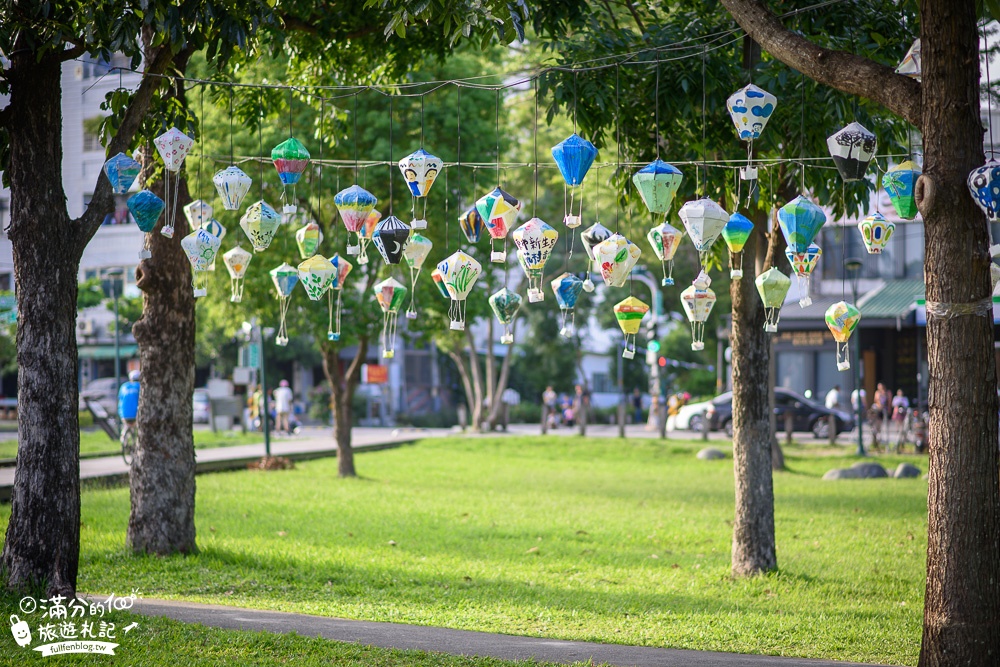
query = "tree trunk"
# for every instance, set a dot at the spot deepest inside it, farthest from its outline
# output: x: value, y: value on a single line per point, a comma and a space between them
x: 43, y: 536
x: 343, y: 385
x: 962, y: 600
x: 476, y: 409
x: 162, y: 479
x: 463, y: 373
x: 753, y: 528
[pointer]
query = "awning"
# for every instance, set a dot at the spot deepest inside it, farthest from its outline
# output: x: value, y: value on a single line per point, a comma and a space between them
x: 895, y: 299
x: 107, y: 351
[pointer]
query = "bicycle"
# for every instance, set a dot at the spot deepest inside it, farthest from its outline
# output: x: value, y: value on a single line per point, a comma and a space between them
x: 129, y: 440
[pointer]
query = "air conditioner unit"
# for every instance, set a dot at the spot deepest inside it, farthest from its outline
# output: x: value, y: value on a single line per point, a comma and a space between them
x: 85, y: 327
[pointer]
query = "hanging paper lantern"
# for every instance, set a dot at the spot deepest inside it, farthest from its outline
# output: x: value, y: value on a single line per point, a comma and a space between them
x: 875, y: 232
x: 419, y: 170
x: 751, y: 108
x: 121, y: 171
x: 146, y: 209
x: 984, y: 184
x: 390, y: 295
x: 460, y: 273
x: 341, y: 268
x: 704, y: 220
x: 735, y: 234
x: 284, y: 278
x: 800, y: 220
x: 290, y: 159
x: 573, y: 156
x: 900, y: 182
x: 852, y: 148
x: 438, y: 279
x: 698, y: 300
x: 232, y: 185
x: 665, y: 240
x: 316, y: 275
x: 657, y: 184
x: 472, y: 224
x: 505, y: 305
x: 198, y: 212
x: 591, y: 237
x: 200, y: 248
x: 355, y: 204
x: 308, y: 238
x: 842, y: 318
x: 803, y: 264
x: 567, y: 288
x: 616, y: 257
x: 499, y: 210
x: 215, y: 228
x: 173, y: 146
x: 629, y: 313
x: 390, y: 237
x: 910, y: 64
x: 772, y: 285
x: 415, y: 254
x: 237, y: 260
x: 534, y: 240
x: 365, y: 235
x: 260, y: 224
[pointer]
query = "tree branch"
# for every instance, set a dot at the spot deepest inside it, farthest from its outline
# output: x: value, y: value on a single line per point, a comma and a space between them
x: 635, y: 15
x: 611, y: 14
x: 77, y: 50
x: 844, y: 71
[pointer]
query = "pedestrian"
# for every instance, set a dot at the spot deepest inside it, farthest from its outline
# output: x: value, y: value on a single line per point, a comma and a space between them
x: 833, y: 398
x: 637, y: 406
x: 581, y: 403
x: 128, y: 399
x: 900, y: 405
x: 854, y: 399
x: 283, y: 406
x: 882, y: 401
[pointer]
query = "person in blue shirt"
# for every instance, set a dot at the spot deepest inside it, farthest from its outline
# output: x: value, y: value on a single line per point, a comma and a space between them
x: 128, y: 398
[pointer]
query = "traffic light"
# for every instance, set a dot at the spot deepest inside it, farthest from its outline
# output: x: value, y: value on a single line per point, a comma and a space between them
x: 662, y: 362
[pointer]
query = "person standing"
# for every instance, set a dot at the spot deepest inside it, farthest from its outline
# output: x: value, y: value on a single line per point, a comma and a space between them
x: 882, y: 401
x: 636, y: 406
x: 900, y: 405
x: 549, y: 399
x: 283, y: 406
x: 833, y: 398
x: 128, y: 399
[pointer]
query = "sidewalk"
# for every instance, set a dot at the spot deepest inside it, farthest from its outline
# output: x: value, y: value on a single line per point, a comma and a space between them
x: 459, y: 642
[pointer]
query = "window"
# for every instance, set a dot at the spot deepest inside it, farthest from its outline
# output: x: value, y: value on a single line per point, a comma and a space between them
x: 92, y: 133
x: 601, y: 383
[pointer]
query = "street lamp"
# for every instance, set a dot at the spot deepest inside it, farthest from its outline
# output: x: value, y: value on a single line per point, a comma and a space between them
x: 115, y: 275
x: 852, y: 265
x: 253, y: 335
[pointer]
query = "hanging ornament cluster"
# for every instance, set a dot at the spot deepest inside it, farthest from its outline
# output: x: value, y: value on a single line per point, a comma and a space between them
x: 800, y: 220
x: 574, y: 155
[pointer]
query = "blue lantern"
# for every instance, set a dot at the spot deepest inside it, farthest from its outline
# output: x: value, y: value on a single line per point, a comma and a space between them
x: 984, y: 184
x: 146, y: 209
x: 122, y: 171
x: 573, y: 156
x: 567, y: 288
x: 800, y: 220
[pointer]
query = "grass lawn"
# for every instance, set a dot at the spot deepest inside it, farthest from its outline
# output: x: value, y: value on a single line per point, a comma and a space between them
x: 97, y: 442
x: 597, y: 540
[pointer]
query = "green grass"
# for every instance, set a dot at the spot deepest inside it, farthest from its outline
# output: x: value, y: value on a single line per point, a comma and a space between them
x: 597, y: 540
x: 98, y: 442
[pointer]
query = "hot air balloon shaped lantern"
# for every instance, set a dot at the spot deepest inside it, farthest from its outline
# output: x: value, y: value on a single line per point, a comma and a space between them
x: 146, y: 209
x: 236, y: 260
x: 842, y: 318
x: 698, y: 300
x: 704, y: 221
x: 750, y: 108
x: 534, y: 240
x: 852, y: 148
x: 198, y: 213
x: 460, y: 272
x: 593, y: 236
x: 803, y: 264
x: 316, y: 275
x: 616, y: 256
x: 567, y: 288
x: 984, y: 184
x: 419, y: 170
x: 215, y: 228
x: 290, y: 159
x: 900, y: 182
x: 876, y: 232
x: 366, y: 234
x: 200, y: 248
x: 438, y: 279
x: 173, y: 146
x: 232, y: 185
x: 415, y: 254
x: 657, y: 184
x: 735, y: 234
x: 772, y: 285
x: 260, y: 223
x: 499, y: 211
x: 800, y: 220
x: 994, y: 267
x: 390, y: 295
x: 910, y: 64
x: 629, y: 313
x: 472, y: 224
x: 390, y: 238
x: 121, y: 171
x: 355, y: 205
x: 341, y: 268
x: 665, y: 239
x: 505, y: 304
x: 573, y: 156
x: 284, y: 278
x: 308, y: 238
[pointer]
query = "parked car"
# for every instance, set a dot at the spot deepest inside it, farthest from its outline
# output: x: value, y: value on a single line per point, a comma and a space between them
x: 689, y: 417
x: 202, y: 409
x: 807, y: 415
x: 103, y: 391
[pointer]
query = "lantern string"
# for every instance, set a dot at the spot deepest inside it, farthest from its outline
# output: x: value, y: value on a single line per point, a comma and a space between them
x: 458, y: 174
x: 322, y: 120
x: 843, y: 234
x: 201, y: 133
x: 534, y: 139
x: 656, y: 105
x: 618, y: 148
x: 355, y: 136
x: 260, y: 138
x: 422, y: 119
x: 289, y: 111
x: 704, y: 126
x: 232, y: 153
x: 390, y: 155
x: 498, y: 135
x: 576, y: 80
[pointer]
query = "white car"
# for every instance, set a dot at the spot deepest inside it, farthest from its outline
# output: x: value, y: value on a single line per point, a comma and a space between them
x: 689, y: 417
x: 201, y: 409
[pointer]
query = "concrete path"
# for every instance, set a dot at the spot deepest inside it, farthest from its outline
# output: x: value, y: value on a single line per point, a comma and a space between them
x: 459, y: 642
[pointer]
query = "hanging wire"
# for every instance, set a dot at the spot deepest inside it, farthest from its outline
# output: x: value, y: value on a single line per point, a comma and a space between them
x: 704, y: 128
x: 618, y: 147
x: 390, y: 155
x: 355, y: 136
x: 422, y: 119
x: 260, y: 139
x: 289, y: 111
x: 458, y: 132
x: 232, y: 153
x: 656, y: 104
x: 498, y: 135
x: 534, y: 139
x: 322, y: 137
x: 201, y: 132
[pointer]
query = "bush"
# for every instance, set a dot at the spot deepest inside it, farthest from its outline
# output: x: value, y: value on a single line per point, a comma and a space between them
x: 319, y: 403
x: 525, y: 413
x: 444, y: 418
x: 86, y: 419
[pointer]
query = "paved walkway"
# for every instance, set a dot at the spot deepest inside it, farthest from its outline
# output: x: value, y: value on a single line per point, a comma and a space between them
x: 459, y: 642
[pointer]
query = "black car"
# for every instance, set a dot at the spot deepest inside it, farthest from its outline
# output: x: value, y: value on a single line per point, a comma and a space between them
x: 807, y: 415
